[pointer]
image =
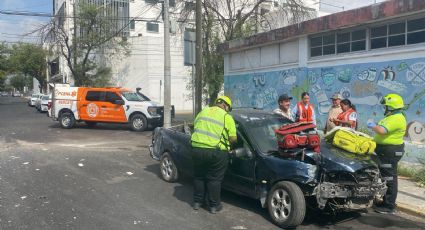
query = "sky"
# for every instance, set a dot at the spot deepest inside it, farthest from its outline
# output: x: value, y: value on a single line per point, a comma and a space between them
x: 11, y: 26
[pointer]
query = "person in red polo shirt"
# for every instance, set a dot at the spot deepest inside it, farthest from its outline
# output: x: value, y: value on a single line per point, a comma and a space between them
x: 304, y: 111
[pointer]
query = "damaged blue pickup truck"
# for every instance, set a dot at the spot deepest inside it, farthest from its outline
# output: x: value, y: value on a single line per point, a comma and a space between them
x: 284, y: 183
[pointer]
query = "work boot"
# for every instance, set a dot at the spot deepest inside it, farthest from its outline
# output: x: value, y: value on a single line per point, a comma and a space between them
x: 384, y: 210
x: 216, y: 209
x: 196, y: 206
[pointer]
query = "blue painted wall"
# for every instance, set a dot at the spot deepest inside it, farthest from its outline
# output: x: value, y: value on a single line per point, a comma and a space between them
x: 364, y: 84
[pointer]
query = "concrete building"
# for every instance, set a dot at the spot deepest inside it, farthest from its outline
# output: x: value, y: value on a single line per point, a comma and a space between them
x: 141, y: 23
x: 362, y: 53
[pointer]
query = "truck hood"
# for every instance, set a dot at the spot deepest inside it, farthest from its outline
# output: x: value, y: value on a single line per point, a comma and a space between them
x: 141, y: 103
x: 335, y: 159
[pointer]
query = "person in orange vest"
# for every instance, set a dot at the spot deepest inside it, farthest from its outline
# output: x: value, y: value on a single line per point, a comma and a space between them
x: 304, y: 111
x: 348, y: 117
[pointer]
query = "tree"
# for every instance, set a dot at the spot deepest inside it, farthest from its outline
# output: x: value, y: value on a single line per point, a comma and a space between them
x: 96, y: 38
x: 28, y: 60
x: 19, y: 81
x: 225, y: 20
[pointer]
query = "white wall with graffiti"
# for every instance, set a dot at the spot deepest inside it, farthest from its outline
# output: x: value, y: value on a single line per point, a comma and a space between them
x: 363, y: 83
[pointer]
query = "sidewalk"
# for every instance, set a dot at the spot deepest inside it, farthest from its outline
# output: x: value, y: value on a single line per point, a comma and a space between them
x: 410, y: 198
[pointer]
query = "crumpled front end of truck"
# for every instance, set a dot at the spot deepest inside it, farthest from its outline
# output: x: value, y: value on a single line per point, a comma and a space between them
x: 347, y: 191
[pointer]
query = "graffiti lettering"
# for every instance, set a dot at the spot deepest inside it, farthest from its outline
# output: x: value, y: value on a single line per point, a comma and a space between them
x: 312, y: 77
x: 416, y: 74
x: 369, y: 75
x: 288, y: 77
x: 402, y: 66
x: 388, y: 74
x: 345, y: 76
x: 322, y: 99
x: 259, y: 80
x: 392, y: 85
x: 416, y: 131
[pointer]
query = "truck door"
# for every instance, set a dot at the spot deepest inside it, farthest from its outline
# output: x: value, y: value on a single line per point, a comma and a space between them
x: 90, y: 104
x: 241, y: 171
x: 112, y: 111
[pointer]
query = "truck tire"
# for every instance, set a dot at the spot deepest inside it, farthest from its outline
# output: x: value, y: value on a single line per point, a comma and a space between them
x: 286, y: 204
x: 138, y: 122
x: 67, y: 120
x: 168, y: 168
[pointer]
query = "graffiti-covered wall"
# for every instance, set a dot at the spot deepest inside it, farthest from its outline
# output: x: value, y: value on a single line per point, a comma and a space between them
x: 364, y: 84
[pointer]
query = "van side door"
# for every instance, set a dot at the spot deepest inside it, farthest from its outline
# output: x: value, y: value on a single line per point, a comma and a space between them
x: 111, y: 110
x: 89, y: 105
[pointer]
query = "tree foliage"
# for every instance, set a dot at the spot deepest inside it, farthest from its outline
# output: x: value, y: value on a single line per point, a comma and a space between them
x: 28, y: 60
x: 225, y: 20
x: 96, y: 38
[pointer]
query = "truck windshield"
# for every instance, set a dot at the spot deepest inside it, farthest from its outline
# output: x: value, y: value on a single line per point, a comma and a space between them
x: 132, y: 96
x: 262, y: 132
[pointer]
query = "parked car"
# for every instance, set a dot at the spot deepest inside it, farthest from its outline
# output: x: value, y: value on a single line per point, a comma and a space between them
x: 284, y: 182
x: 44, y: 102
x: 38, y: 102
x: 4, y: 94
x: 32, y: 99
x: 16, y: 94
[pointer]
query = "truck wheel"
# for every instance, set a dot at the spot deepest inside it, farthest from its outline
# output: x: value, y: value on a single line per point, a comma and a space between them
x: 138, y: 123
x: 168, y: 168
x: 90, y: 124
x: 286, y: 204
x: 67, y: 120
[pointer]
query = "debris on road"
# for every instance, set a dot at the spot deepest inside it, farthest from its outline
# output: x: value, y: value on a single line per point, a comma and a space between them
x: 80, y: 164
x: 23, y: 197
x: 25, y: 163
x: 129, y: 173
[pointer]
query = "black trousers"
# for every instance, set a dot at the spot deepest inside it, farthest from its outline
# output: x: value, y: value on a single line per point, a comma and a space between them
x: 209, y: 166
x: 389, y: 156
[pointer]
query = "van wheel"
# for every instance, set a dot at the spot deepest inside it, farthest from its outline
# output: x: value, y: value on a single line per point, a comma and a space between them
x: 168, y: 168
x: 138, y: 123
x: 90, y: 124
x: 67, y: 120
x: 286, y: 204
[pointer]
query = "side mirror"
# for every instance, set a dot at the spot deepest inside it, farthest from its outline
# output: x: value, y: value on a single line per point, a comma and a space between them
x: 119, y: 102
x: 243, y: 152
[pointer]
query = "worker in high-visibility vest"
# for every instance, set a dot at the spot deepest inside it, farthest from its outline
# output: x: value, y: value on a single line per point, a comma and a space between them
x: 304, y: 110
x: 390, y: 147
x: 214, y: 132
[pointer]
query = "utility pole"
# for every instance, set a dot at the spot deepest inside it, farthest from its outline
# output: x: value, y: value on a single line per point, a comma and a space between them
x: 167, y: 66
x: 198, y: 79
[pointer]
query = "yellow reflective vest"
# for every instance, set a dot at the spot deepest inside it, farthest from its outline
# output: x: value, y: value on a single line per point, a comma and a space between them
x: 212, y: 129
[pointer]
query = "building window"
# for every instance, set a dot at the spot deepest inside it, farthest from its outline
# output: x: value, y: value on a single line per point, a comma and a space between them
x: 322, y: 45
x: 416, y: 31
x: 358, y: 40
x: 152, y: 27
x: 378, y: 37
x: 132, y: 24
x: 338, y: 43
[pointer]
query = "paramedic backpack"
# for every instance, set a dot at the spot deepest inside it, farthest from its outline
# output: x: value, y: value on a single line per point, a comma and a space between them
x: 351, y: 140
x: 298, y: 135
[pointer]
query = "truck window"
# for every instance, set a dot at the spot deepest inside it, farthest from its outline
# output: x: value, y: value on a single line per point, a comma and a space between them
x: 112, y: 97
x: 94, y: 96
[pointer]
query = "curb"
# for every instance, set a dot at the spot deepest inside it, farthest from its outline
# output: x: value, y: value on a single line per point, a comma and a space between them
x: 410, y: 210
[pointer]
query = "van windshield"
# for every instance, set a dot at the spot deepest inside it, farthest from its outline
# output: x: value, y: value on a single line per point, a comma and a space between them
x: 46, y: 97
x: 132, y: 96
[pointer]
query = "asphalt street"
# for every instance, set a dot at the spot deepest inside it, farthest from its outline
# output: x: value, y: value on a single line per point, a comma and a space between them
x: 104, y: 178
